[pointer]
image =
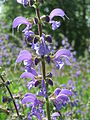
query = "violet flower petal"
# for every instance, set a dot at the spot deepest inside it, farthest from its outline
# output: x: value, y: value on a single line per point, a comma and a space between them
x: 29, y: 94
x: 57, y: 91
x: 24, y: 55
x: 20, y: 1
x: 56, y: 12
x: 23, y: 2
x: 27, y: 75
x: 66, y: 92
x: 62, y: 98
x: 62, y: 52
x: 28, y: 99
x: 20, y: 20
x: 55, y: 114
x: 33, y: 71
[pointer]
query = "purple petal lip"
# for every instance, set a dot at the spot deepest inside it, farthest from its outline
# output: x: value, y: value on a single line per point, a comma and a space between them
x: 57, y: 91
x: 66, y: 92
x: 33, y: 71
x: 27, y: 75
x: 24, y: 2
x: 20, y: 1
x: 29, y: 94
x: 55, y: 114
x: 56, y: 12
x: 24, y: 55
x: 62, y: 52
x: 20, y: 20
x: 62, y: 98
x: 28, y: 99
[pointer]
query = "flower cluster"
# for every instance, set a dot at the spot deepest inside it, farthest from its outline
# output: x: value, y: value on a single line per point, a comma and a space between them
x: 41, y: 45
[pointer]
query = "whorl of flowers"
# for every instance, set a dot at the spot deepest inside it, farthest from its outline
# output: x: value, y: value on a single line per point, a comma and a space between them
x: 41, y: 45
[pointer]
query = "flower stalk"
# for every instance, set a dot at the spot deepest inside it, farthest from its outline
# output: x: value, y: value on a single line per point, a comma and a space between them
x: 43, y: 65
x: 10, y: 95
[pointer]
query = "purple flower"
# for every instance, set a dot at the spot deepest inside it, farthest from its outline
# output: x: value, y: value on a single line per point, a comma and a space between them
x: 56, y: 12
x: 27, y: 58
x: 29, y: 67
x: 57, y: 91
x: 62, y: 98
x: 54, y: 115
x: 28, y: 34
x: 28, y: 98
x: 43, y: 91
x: 24, y: 55
x: 66, y: 92
x: 32, y: 83
x: 27, y: 75
x: 62, y: 95
x: 62, y: 56
x: 43, y: 49
x: 24, y: 2
x: 55, y: 24
x: 21, y: 20
x: 31, y: 98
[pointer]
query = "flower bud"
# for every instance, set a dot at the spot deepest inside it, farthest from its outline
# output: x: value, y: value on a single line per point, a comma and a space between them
x: 49, y: 38
x: 50, y: 82
x: 36, y: 61
x: 48, y: 59
x: 37, y: 83
x: 31, y: 2
x: 35, y: 40
x: 49, y: 75
x: 4, y: 99
x: 47, y: 19
x: 35, y: 20
x: 8, y: 82
x: 29, y: 39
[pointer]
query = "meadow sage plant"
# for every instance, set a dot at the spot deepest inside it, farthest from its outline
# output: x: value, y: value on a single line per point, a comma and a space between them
x: 40, y: 44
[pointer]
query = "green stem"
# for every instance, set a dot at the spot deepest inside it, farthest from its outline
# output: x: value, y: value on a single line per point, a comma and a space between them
x: 10, y: 95
x: 47, y: 100
x: 43, y: 65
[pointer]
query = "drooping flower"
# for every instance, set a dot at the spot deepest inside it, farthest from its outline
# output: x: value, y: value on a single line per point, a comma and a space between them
x: 21, y: 20
x: 56, y: 12
x: 27, y: 32
x: 26, y: 56
x: 62, y: 57
x: 34, y: 102
x: 60, y: 97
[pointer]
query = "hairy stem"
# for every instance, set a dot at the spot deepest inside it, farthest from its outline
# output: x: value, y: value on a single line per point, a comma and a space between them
x: 43, y: 64
x: 47, y: 100
x: 10, y: 95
